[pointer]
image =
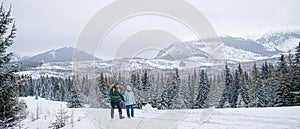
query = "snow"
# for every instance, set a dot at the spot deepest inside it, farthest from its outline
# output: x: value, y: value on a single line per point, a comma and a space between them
x: 289, y: 44
x: 149, y: 118
x: 53, y: 53
x: 47, y: 111
x: 148, y: 109
x: 239, y: 55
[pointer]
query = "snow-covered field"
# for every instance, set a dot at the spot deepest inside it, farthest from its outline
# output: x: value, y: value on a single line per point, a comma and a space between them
x: 149, y: 118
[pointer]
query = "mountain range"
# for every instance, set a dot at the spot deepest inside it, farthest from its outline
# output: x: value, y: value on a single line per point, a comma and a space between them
x: 59, y: 62
x: 235, y: 48
x: 239, y: 49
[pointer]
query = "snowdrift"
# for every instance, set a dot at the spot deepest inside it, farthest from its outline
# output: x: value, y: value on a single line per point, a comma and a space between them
x: 151, y: 118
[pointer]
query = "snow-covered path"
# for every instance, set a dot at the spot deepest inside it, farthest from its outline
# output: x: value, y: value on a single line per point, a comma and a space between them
x: 143, y: 120
x: 246, y: 118
x: 93, y: 118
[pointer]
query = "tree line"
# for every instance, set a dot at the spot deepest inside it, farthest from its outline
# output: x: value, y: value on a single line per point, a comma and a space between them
x: 267, y: 85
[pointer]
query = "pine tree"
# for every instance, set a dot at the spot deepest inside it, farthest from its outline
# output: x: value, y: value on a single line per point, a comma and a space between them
x: 283, y: 90
x: 235, y: 87
x: 224, y: 101
x: 256, y: 99
x: 103, y: 86
x: 75, y: 100
x: 133, y: 80
x: 103, y: 91
x: 86, y: 84
x: 21, y: 86
x: 296, y: 77
x: 245, y: 94
x: 178, y: 100
x: 217, y: 84
x: 264, y: 76
x: 272, y: 81
x: 62, y: 90
x: 145, y: 81
x: 190, y: 92
x: 61, y: 119
x: 31, y: 89
x: 166, y: 95
x: 161, y: 87
x: 203, y: 90
x: 137, y: 88
x: 243, y: 97
x: 154, y: 90
x: 169, y: 93
x: 145, y: 87
x: 8, y: 95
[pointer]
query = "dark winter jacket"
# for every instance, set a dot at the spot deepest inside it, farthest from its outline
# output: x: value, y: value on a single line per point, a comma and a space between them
x: 115, y: 95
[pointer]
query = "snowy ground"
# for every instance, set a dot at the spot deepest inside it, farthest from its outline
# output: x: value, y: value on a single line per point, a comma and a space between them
x: 148, y: 118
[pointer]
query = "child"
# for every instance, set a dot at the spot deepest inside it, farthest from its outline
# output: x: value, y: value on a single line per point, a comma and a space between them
x: 129, y: 101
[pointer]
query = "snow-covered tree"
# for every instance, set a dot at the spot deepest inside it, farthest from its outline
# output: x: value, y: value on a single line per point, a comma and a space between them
x: 75, y: 97
x: 272, y: 81
x: 265, y: 86
x: 296, y: 77
x: 8, y: 87
x: 190, y: 93
x: 161, y: 89
x: 256, y: 94
x: 169, y: 93
x: 226, y: 91
x: 102, y: 91
x: 203, y: 91
x: 61, y: 119
x: 180, y: 102
x: 145, y: 91
x: 283, y: 90
x: 243, y: 96
x: 235, y: 87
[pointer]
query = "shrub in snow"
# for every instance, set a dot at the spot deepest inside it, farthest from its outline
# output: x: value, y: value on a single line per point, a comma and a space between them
x: 148, y: 108
x: 23, y: 109
x: 61, y: 119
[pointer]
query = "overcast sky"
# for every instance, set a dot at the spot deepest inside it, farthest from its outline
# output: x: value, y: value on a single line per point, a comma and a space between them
x: 48, y: 24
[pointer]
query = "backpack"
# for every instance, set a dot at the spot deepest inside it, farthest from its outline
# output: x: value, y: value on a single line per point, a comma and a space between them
x: 111, y: 87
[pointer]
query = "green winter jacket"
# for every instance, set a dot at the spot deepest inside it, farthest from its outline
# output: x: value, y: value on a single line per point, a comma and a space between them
x: 115, y: 95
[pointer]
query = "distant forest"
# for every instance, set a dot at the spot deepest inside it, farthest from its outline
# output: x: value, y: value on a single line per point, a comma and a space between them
x: 266, y: 85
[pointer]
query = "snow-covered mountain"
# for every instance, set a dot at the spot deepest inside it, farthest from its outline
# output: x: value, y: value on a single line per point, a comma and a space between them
x: 62, y: 55
x: 16, y: 58
x: 187, y: 55
x: 282, y: 41
x: 236, y: 48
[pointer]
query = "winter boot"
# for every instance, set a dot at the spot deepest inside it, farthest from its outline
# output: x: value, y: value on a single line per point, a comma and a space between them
x: 112, y: 113
x: 121, y: 117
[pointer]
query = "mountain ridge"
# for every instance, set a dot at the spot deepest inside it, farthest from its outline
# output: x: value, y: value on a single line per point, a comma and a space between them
x: 266, y: 46
x: 62, y: 54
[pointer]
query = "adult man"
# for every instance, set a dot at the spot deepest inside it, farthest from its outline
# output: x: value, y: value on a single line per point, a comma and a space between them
x: 116, y: 98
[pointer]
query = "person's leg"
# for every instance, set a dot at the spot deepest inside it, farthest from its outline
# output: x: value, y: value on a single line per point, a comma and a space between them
x: 112, y: 109
x: 127, y: 110
x: 132, y: 110
x: 119, y: 107
x: 120, y: 110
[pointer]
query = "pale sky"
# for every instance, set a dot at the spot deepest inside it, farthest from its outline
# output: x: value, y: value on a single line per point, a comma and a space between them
x: 48, y: 24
